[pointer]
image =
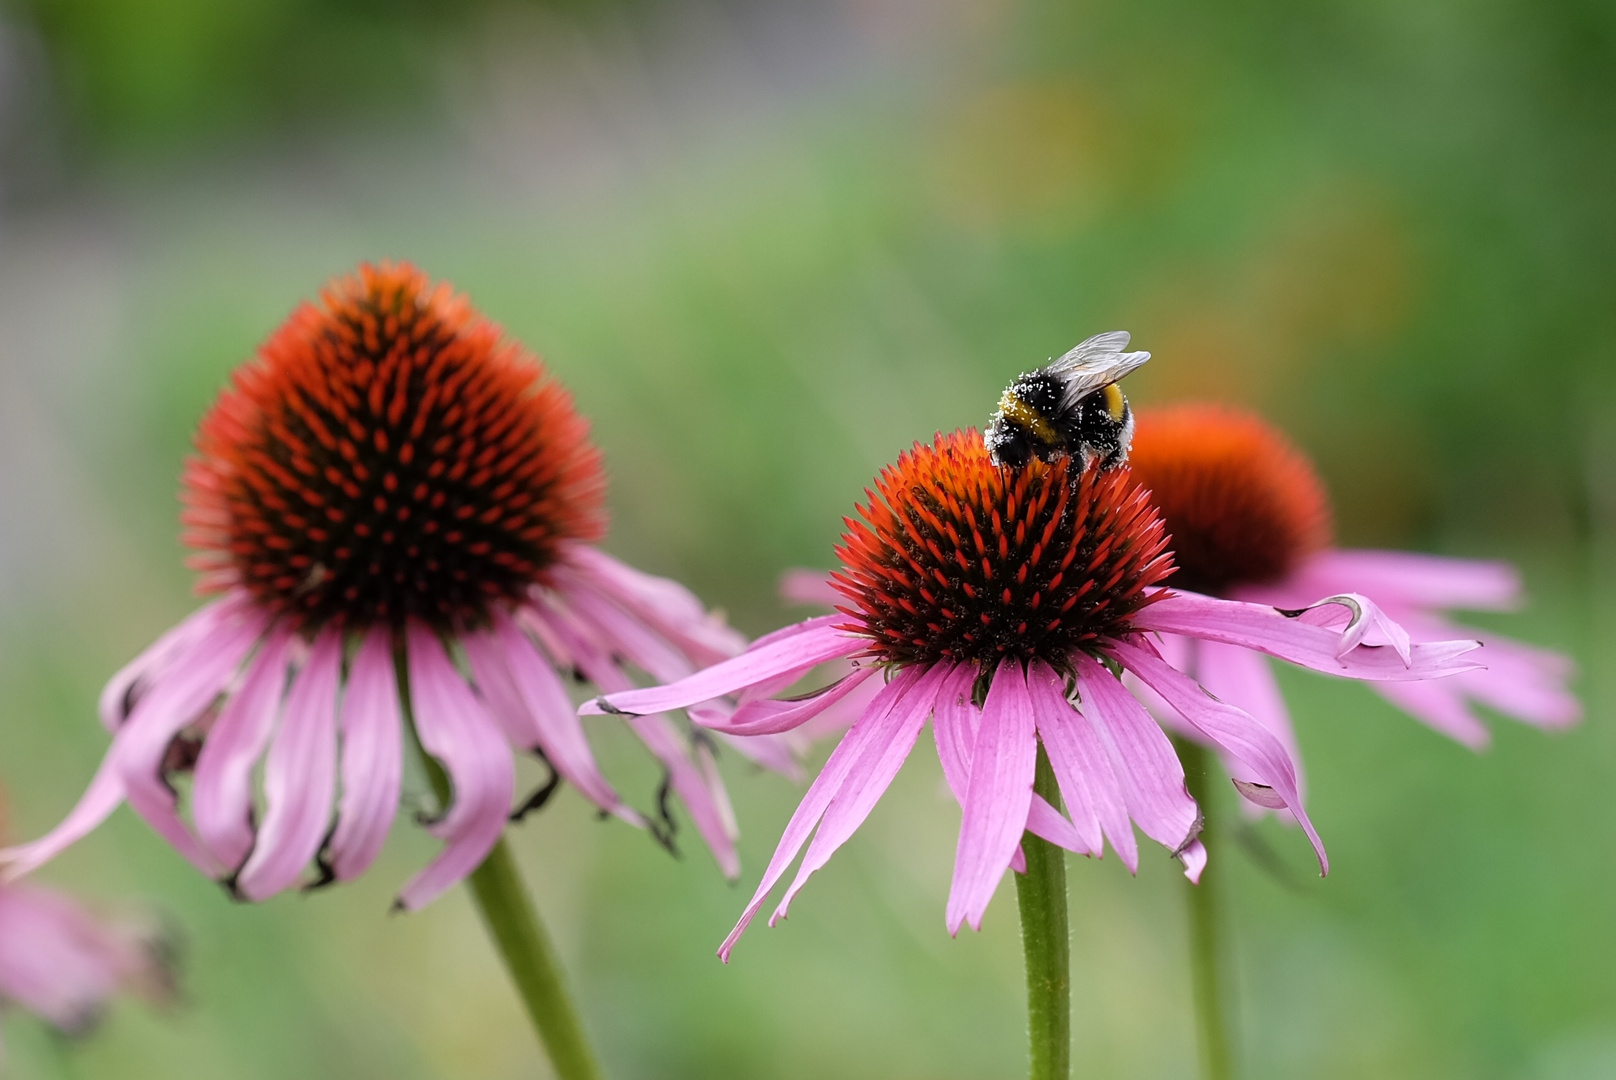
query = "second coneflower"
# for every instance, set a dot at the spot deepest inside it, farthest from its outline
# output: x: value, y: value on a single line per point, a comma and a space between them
x: 394, y: 506
x: 1003, y: 603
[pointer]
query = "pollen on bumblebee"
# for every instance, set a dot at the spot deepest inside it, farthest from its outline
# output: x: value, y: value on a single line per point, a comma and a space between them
x: 389, y: 454
x: 1242, y: 505
x: 958, y: 558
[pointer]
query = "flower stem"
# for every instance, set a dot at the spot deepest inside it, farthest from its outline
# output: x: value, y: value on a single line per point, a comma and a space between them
x: 513, y: 922
x: 1207, y: 975
x: 1041, y: 894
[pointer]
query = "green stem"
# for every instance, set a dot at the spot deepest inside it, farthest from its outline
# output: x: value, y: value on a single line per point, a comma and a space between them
x: 513, y: 922
x: 1207, y: 959
x: 1041, y: 894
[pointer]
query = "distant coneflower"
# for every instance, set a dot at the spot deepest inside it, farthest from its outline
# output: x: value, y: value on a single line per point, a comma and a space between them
x: 1003, y: 603
x: 391, y: 497
x: 1249, y: 520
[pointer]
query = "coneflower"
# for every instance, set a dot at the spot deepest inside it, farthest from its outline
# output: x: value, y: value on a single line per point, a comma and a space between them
x: 394, y: 506
x: 1002, y: 603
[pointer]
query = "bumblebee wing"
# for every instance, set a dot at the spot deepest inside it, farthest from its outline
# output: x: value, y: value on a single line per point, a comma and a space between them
x: 1094, y: 363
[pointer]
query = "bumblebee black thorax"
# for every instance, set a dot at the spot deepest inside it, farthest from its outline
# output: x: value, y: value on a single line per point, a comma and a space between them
x: 1031, y: 422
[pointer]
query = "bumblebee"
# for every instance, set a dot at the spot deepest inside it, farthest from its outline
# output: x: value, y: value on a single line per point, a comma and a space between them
x: 1073, y: 406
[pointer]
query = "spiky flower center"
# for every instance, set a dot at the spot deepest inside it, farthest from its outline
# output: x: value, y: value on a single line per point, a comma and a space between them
x: 389, y: 454
x: 958, y: 558
x: 1243, y: 506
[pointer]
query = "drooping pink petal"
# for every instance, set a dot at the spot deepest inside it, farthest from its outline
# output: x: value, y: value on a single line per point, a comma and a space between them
x: 1194, y: 859
x: 812, y: 642
x: 158, y: 658
x: 1255, y: 626
x: 1227, y: 727
x: 191, y: 684
x: 372, y: 757
x: 867, y: 778
x: 772, y: 716
x: 671, y: 609
x: 1431, y: 581
x: 300, y: 775
x: 455, y: 728
x: 954, y: 723
x: 554, y: 720
x: 1525, y: 683
x: 700, y: 790
x: 809, y: 587
x: 1243, y: 679
x: 1088, y: 784
x: 1359, y: 621
x: 222, y: 797
x: 1441, y: 706
x: 97, y: 803
x: 58, y: 962
x: 1142, y: 758
x: 777, y: 753
x: 878, y: 725
x: 998, y: 797
x: 621, y: 634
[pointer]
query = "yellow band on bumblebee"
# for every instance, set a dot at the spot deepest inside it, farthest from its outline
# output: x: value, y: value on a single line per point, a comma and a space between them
x: 1018, y: 412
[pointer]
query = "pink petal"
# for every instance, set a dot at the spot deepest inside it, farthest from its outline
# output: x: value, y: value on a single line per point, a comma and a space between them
x: 1048, y: 823
x: 777, y: 753
x: 867, y: 779
x: 300, y: 775
x: 772, y: 716
x: 810, y: 643
x: 1440, y: 706
x: 553, y: 720
x: 55, y: 960
x: 878, y: 725
x: 1142, y: 757
x: 1194, y: 859
x: 1255, y: 626
x: 700, y: 789
x: 1421, y: 580
x: 809, y: 587
x: 1357, y: 619
x: 954, y: 723
x: 1094, y: 798
x: 455, y: 729
x: 998, y: 798
x: 159, y: 657
x: 623, y: 635
x: 167, y: 707
x: 668, y: 607
x: 1243, y: 679
x: 1228, y: 728
x: 222, y: 796
x: 94, y: 806
x: 1525, y: 683
x: 372, y: 757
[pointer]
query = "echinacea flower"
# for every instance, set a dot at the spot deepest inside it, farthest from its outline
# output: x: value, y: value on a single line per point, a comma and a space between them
x: 1250, y: 521
x: 65, y: 964
x: 390, y: 486
x: 1001, y: 603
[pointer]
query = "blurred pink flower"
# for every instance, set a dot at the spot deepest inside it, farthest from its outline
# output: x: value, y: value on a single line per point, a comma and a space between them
x: 988, y: 596
x: 64, y: 965
x: 391, y: 479
x: 1249, y: 520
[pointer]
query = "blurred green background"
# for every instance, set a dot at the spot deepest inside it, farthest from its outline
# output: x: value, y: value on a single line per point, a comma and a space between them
x: 768, y: 246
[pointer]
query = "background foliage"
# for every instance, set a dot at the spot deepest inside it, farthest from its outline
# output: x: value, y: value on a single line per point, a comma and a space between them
x: 769, y: 245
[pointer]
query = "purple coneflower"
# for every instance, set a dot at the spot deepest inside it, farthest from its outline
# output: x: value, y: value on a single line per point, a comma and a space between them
x: 1249, y: 520
x: 1002, y: 604
x: 390, y: 488
x: 65, y: 965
